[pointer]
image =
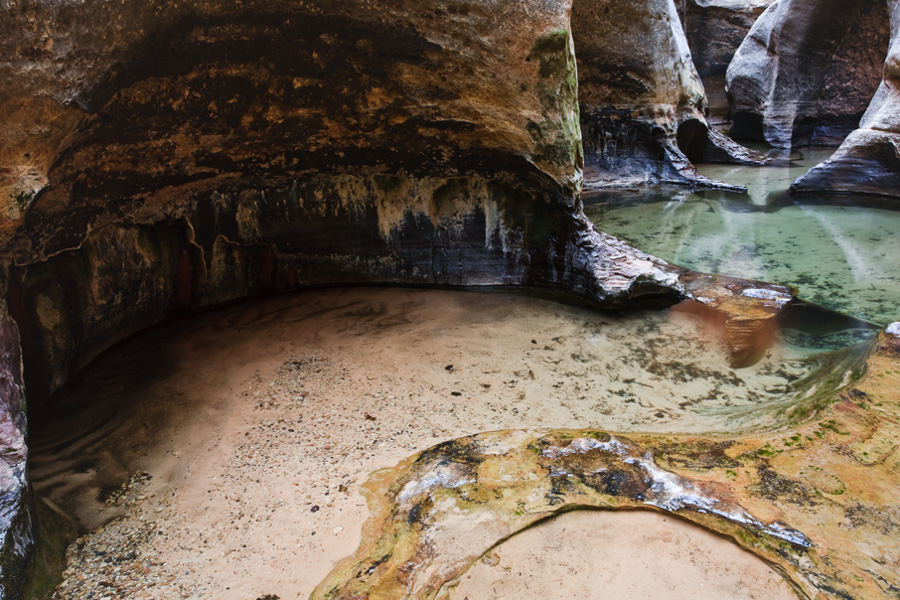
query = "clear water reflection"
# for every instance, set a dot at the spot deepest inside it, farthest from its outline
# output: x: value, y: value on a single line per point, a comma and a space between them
x: 840, y: 252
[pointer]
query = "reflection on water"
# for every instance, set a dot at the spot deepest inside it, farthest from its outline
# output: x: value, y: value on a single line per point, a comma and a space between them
x: 840, y: 252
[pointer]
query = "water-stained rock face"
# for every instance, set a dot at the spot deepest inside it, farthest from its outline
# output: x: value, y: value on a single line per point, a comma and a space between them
x: 807, y: 70
x: 642, y: 103
x: 225, y: 150
x: 869, y: 159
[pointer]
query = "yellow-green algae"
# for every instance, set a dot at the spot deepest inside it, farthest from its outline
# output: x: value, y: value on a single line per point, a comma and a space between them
x: 818, y: 501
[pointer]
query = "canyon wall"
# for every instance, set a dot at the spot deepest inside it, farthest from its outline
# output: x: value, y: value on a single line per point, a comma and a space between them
x: 869, y: 159
x: 715, y: 30
x: 807, y: 70
x: 643, y: 107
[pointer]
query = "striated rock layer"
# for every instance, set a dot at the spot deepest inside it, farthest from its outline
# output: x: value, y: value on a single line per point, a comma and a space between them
x: 807, y: 70
x: 869, y: 159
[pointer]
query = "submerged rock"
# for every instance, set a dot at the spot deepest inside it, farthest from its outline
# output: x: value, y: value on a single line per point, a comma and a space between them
x: 807, y: 70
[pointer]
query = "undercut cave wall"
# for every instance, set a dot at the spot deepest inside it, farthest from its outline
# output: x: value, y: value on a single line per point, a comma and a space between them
x: 163, y: 158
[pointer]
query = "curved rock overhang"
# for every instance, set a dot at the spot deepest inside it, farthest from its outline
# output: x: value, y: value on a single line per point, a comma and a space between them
x: 161, y: 158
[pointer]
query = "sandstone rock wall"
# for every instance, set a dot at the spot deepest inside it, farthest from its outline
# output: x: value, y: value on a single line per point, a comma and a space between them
x: 869, y: 159
x: 807, y: 70
x: 714, y: 30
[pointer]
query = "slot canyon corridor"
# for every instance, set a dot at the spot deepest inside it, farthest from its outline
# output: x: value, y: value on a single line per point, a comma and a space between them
x: 444, y: 299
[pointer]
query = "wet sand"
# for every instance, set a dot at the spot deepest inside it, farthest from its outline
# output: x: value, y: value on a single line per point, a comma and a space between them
x: 221, y: 457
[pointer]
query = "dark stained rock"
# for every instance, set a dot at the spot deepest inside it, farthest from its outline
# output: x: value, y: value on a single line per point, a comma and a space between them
x: 868, y: 162
x: 642, y: 103
x: 807, y: 70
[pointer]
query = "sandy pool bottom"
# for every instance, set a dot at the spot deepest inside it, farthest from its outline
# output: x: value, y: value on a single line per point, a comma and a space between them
x: 221, y: 457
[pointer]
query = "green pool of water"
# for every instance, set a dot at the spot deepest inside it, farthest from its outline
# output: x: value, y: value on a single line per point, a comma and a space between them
x: 839, y: 251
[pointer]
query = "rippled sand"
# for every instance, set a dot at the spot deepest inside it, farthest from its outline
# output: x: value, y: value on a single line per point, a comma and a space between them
x: 246, y: 431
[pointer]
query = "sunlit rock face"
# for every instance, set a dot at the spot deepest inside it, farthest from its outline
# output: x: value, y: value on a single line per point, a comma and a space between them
x: 807, y: 70
x: 714, y: 30
x: 642, y: 103
x: 869, y: 159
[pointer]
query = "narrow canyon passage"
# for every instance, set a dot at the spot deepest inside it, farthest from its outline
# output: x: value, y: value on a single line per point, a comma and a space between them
x: 221, y: 456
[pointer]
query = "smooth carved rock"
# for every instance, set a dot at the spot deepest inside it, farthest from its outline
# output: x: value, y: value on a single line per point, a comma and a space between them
x: 714, y: 30
x: 807, y: 70
x: 868, y: 161
x: 818, y: 501
x: 642, y: 103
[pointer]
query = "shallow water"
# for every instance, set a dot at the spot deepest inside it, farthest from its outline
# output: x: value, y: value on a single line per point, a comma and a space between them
x: 225, y: 436
x: 462, y: 362
x: 839, y: 251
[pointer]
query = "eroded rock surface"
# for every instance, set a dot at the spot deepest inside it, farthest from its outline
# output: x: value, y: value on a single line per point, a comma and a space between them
x: 807, y: 71
x: 16, y: 535
x: 869, y: 159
